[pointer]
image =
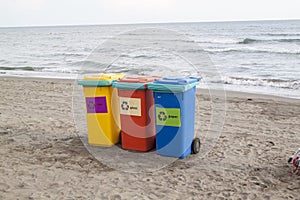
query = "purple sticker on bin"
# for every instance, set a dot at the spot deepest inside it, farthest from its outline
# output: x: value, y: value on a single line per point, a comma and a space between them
x: 96, y: 104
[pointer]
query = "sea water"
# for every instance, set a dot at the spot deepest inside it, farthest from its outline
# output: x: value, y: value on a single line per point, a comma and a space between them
x: 254, y: 56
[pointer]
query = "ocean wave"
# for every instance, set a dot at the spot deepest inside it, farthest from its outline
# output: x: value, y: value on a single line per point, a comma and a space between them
x: 68, y: 54
x: 291, y: 40
x: 277, y: 83
x: 282, y: 34
x: 88, y: 66
x: 252, y: 50
x: 27, y: 68
x: 184, y: 40
x: 287, y: 40
x: 2, y: 61
x: 248, y: 41
x: 241, y: 41
x: 218, y: 41
x: 137, y: 56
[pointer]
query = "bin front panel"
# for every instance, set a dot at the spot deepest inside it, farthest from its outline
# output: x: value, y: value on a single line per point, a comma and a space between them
x: 137, y: 119
x: 175, y: 137
x: 165, y: 135
x: 102, y: 119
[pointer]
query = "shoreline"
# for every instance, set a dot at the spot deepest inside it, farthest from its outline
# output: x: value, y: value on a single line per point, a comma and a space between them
x: 228, y: 93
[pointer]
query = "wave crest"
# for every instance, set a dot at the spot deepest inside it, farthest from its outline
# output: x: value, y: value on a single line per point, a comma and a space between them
x: 278, y: 83
x: 248, y: 41
x: 286, y: 40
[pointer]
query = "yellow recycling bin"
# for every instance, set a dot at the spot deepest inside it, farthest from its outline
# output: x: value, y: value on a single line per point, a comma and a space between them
x: 102, y: 114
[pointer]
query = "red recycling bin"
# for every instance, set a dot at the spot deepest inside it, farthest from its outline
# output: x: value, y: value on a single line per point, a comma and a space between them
x: 136, y: 113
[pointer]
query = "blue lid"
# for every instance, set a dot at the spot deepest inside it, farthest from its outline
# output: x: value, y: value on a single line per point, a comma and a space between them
x: 173, y: 85
x: 177, y: 81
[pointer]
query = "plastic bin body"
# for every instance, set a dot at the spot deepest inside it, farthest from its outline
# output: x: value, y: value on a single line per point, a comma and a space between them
x: 175, y: 116
x: 102, y: 114
x: 136, y: 114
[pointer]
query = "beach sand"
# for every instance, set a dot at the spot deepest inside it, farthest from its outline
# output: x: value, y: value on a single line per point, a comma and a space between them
x: 43, y: 157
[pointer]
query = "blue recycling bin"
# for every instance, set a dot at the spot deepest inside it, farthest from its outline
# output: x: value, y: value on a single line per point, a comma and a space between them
x: 175, y: 115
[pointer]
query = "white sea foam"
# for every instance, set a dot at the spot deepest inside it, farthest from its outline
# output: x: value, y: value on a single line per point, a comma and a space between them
x: 277, y: 83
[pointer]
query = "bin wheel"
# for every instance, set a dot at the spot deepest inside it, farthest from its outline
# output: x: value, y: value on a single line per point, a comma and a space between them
x: 196, y: 146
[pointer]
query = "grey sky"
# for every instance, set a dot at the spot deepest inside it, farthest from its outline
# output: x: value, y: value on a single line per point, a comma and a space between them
x: 60, y: 12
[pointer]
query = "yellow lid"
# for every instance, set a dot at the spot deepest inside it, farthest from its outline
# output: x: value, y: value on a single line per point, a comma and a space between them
x: 104, y: 77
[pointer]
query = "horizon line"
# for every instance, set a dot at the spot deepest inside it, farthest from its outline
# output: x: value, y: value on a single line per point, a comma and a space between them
x: 144, y: 23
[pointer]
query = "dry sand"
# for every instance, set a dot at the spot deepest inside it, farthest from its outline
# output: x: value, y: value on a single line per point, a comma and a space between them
x: 43, y: 157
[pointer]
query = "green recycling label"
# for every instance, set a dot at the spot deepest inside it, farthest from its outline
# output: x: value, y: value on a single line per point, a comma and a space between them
x: 168, y: 116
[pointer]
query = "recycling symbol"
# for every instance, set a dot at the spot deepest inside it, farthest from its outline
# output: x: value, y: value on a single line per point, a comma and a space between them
x: 162, y: 116
x: 124, y: 105
x: 91, y: 105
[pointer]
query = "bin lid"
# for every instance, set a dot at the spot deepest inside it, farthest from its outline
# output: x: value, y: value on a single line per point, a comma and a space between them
x: 134, y: 83
x: 98, y: 80
x: 173, y: 85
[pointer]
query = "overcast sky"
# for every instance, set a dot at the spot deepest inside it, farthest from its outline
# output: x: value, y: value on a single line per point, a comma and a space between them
x: 68, y: 12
